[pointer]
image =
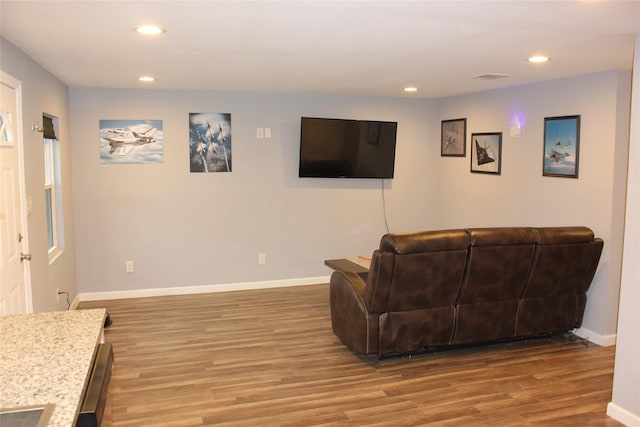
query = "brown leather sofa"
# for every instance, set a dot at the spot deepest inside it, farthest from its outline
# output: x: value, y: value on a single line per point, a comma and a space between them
x: 430, y: 289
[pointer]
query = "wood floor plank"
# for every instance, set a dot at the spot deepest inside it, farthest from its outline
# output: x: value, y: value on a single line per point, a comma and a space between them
x: 269, y: 358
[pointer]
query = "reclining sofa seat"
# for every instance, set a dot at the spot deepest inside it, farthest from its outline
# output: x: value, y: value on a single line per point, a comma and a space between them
x: 408, y: 300
x: 435, y: 288
x: 497, y: 270
x: 556, y: 294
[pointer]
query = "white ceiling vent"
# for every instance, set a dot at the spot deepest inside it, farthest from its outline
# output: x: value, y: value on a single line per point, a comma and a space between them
x: 490, y: 76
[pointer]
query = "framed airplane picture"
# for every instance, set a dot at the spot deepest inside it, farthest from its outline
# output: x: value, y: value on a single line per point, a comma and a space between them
x: 210, y: 142
x: 486, y: 152
x: 561, y: 146
x: 453, y: 138
x: 131, y: 141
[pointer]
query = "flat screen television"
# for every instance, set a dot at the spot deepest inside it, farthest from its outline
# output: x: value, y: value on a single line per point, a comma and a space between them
x: 339, y: 148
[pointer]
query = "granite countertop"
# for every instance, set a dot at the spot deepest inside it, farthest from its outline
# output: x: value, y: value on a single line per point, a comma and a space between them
x: 46, y: 358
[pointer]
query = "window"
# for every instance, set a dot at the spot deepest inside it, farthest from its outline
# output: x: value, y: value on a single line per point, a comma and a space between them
x: 52, y: 188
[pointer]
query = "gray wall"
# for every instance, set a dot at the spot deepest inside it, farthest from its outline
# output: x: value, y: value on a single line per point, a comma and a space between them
x: 192, y: 229
x: 186, y: 229
x: 522, y: 196
x: 43, y: 93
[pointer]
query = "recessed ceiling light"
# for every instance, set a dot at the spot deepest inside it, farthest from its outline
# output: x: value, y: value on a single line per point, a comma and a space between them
x: 410, y: 89
x: 150, y: 30
x: 146, y: 79
x: 538, y: 59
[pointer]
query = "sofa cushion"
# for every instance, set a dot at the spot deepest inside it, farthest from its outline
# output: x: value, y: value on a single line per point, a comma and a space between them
x: 424, y: 241
x: 547, y: 314
x: 565, y: 235
x: 555, y: 296
x: 499, y: 263
x: 416, y: 270
x: 565, y: 263
x: 501, y: 236
x: 486, y: 321
x: 426, y: 280
x: 497, y: 270
x: 412, y: 330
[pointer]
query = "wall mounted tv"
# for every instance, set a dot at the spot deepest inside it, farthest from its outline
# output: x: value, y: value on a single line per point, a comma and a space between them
x: 338, y: 148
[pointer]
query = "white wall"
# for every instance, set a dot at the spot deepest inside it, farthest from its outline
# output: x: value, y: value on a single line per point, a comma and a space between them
x: 43, y: 93
x: 192, y: 229
x: 522, y: 196
x: 625, y: 404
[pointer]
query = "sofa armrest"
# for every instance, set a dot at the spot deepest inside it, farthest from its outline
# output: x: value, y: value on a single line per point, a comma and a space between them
x: 351, y: 284
x: 350, y: 320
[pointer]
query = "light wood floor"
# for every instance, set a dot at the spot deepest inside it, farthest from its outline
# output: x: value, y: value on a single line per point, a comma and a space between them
x: 269, y: 358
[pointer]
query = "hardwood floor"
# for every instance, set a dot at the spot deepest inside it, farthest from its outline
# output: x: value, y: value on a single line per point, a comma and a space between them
x: 269, y: 358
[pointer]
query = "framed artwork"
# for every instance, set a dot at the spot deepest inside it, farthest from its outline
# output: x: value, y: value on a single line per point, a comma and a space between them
x: 209, y: 142
x: 453, y: 138
x: 131, y: 141
x: 561, y: 146
x: 486, y: 152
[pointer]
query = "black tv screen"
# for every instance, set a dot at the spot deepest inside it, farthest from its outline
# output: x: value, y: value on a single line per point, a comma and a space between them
x: 339, y: 148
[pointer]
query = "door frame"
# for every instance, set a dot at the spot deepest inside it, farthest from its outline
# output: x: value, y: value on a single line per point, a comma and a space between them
x: 16, y: 85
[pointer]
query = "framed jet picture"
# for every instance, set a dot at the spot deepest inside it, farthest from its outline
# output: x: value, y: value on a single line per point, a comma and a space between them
x: 561, y: 146
x: 210, y: 142
x: 486, y: 152
x: 131, y: 141
x: 453, y: 138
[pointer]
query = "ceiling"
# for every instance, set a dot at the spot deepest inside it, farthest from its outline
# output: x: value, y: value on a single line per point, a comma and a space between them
x: 349, y: 47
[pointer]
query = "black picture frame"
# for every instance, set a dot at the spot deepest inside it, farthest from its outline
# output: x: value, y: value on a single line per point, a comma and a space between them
x: 453, y: 138
x: 486, y: 152
x: 561, y: 151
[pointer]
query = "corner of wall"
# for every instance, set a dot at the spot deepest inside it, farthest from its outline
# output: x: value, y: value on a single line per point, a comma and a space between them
x: 601, y: 340
x: 618, y: 413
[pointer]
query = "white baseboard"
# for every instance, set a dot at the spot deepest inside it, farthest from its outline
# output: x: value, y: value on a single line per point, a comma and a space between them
x: 601, y: 340
x: 75, y: 302
x: 185, y: 290
x: 622, y: 415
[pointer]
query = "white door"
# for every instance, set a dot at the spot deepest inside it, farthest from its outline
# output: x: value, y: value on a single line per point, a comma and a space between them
x: 15, y: 289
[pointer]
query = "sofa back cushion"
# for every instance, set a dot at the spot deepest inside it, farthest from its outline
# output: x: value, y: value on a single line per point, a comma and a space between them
x: 555, y: 297
x: 566, y: 261
x: 416, y: 270
x: 499, y: 264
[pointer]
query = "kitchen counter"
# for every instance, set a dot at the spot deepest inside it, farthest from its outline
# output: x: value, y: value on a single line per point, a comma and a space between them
x: 46, y: 358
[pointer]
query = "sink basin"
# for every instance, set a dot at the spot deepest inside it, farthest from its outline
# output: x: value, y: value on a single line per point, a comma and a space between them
x: 26, y: 416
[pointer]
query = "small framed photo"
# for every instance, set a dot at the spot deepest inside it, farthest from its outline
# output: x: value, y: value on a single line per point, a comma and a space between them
x: 561, y: 146
x: 453, y: 136
x: 486, y: 152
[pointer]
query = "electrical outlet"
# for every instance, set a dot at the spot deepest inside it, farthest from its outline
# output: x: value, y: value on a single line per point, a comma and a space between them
x: 262, y: 259
x: 128, y: 266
